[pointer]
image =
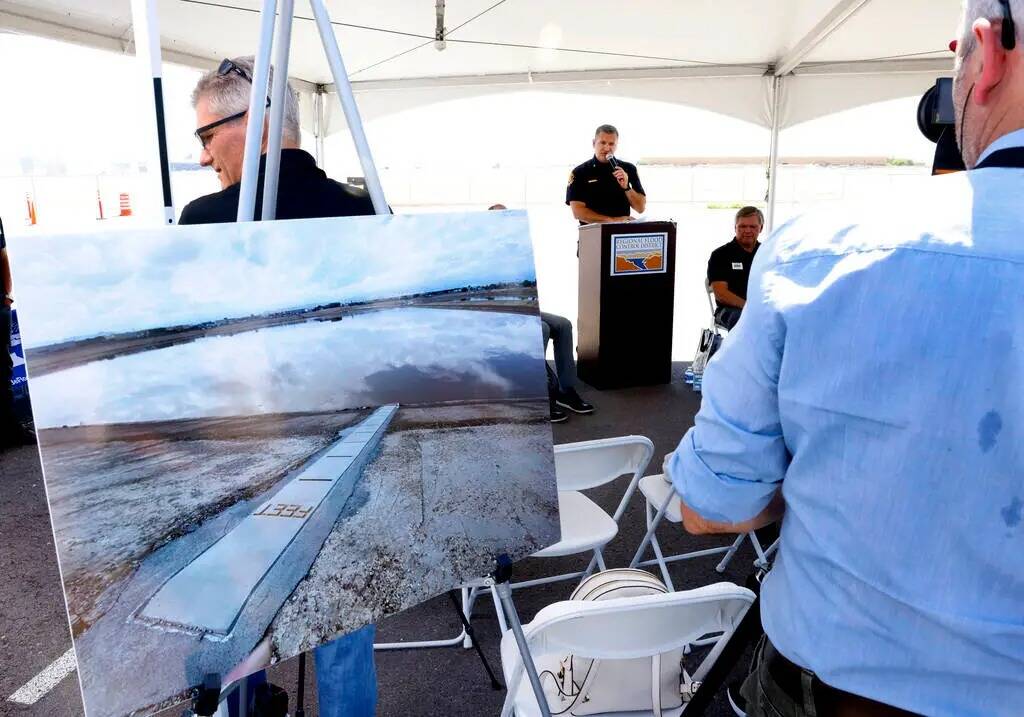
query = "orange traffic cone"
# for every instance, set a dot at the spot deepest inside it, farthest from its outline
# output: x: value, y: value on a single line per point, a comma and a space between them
x: 126, y: 205
x: 31, y: 206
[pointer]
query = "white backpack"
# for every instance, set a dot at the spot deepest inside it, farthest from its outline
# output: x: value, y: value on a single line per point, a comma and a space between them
x: 589, y: 687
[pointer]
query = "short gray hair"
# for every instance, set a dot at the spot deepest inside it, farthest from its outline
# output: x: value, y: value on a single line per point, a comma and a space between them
x: 991, y: 9
x: 606, y: 129
x: 750, y: 212
x: 229, y: 94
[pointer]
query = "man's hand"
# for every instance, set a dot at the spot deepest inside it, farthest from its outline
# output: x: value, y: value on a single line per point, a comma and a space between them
x: 621, y: 177
x: 8, y: 302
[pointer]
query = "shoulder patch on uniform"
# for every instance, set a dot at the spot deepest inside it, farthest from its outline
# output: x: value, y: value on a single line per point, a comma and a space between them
x: 572, y: 177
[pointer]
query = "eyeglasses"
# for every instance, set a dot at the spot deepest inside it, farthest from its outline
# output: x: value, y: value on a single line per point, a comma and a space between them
x: 226, y: 67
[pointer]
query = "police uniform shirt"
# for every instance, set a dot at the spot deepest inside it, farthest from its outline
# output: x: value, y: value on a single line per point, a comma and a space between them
x: 593, y: 184
x: 731, y: 263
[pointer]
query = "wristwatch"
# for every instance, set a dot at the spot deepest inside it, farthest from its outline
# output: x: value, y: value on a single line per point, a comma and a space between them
x: 9, y: 297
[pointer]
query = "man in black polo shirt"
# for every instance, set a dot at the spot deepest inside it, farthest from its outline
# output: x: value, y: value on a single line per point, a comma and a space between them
x: 604, y: 188
x: 346, y: 680
x: 221, y: 101
x: 729, y: 266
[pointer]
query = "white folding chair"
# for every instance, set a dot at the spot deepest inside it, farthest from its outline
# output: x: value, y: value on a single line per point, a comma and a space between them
x: 585, y: 526
x: 715, y: 326
x: 619, y: 629
x: 469, y: 593
x: 662, y: 503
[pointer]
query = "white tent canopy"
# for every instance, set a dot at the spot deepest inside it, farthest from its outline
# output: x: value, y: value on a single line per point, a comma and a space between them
x: 834, y: 54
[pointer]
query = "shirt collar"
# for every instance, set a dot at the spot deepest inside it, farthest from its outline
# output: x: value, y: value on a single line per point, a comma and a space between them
x: 1013, y: 139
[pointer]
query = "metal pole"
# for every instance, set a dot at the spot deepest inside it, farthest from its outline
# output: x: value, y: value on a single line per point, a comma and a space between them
x: 504, y: 589
x: 243, y: 697
x: 320, y: 123
x: 146, y: 28
x: 257, y: 112
x: 773, y: 152
x: 348, y: 104
x: 278, y: 98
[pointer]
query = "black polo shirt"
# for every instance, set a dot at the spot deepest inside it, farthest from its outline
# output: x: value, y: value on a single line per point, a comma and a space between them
x: 593, y: 184
x: 731, y: 263
x: 304, y: 192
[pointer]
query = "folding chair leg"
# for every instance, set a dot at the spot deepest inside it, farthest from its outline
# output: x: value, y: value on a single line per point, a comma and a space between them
x: 600, y: 561
x: 661, y: 564
x: 657, y: 549
x: 467, y: 609
x: 732, y: 551
x: 761, y: 560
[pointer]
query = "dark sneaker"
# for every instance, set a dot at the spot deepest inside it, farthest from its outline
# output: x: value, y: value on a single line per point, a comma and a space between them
x: 571, y: 400
x: 557, y: 415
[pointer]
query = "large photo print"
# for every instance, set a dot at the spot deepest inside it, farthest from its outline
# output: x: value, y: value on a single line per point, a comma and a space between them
x: 275, y: 433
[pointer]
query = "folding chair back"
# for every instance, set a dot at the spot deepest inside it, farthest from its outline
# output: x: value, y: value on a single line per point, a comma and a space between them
x: 621, y: 629
x: 589, y: 464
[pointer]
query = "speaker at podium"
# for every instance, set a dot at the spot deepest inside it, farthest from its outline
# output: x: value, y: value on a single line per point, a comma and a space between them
x: 626, y: 295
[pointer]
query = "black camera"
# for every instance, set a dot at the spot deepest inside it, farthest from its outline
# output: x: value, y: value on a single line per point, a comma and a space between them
x: 936, y: 118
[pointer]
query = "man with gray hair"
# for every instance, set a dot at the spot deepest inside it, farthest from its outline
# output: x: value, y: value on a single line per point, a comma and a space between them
x: 221, y: 102
x: 346, y: 680
x: 872, y: 399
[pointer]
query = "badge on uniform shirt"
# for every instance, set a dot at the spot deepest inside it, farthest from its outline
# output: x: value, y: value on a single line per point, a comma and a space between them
x: 737, y: 265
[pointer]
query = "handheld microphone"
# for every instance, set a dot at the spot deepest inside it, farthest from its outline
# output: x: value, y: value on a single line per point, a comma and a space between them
x: 611, y: 160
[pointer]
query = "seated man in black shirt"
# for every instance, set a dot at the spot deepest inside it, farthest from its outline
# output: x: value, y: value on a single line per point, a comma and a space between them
x: 729, y: 266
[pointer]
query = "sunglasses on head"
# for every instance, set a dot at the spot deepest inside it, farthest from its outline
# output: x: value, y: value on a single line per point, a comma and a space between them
x: 226, y: 67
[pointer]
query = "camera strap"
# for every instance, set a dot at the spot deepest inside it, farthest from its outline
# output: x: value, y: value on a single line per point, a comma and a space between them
x: 1009, y: 158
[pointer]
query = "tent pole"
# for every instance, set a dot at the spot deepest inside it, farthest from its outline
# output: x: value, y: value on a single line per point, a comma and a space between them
x: 773, y: 151
x: 279, y: 96
x: 320, y: 122
x: 257, y: 113
x: 146, y: 29
x: 348, y: 103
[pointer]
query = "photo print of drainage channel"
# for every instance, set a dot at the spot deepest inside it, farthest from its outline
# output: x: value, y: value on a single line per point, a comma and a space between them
x: 279, y: 431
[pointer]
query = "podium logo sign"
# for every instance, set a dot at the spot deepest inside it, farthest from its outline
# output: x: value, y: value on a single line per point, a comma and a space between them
x: 639, y: 253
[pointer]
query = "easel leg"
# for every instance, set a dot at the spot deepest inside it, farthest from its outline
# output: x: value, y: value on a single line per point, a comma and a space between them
x: 300, y: 697
x: 472, y: 636
x: 243, y: 697
x: 505, y: 595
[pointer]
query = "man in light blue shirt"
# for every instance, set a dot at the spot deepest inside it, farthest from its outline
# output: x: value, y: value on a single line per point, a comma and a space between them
x: 874, y: 391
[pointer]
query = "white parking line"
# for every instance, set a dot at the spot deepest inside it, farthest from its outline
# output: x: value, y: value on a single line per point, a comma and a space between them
x: 36, y: 688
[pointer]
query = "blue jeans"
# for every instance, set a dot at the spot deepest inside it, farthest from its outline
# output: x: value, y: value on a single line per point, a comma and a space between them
x: 345, y: 676
x: 559, y: 330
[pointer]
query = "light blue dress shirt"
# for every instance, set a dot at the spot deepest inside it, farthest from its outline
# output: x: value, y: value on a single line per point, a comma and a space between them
x: 877, y: 377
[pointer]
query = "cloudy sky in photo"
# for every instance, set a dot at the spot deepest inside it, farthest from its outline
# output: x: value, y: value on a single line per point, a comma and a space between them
x: 75, y: 286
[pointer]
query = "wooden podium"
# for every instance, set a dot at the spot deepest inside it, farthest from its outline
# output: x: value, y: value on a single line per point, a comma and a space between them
x: 626, y: 293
